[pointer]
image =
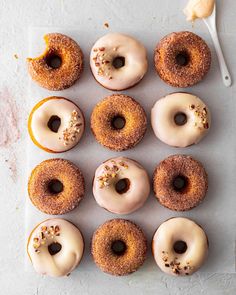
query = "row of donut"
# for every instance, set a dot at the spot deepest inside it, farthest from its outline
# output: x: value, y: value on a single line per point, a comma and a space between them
x: 119, y: 122
x: 56, y: 186
x: 119, y: 247
x: 119, y: 61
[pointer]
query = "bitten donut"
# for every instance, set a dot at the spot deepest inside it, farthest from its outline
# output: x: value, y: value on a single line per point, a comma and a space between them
x: 180, y: 182
x: 118, y: 122
x: 179, y: 246
x: 180, y: 119
x: 182, y: 59
x: 119, y: 247
x: 55, y: 247
x: 121, y: 185
x: 118, y: 61
x: 56, y: 186
x: 56, y: 124
x: 60, y: 65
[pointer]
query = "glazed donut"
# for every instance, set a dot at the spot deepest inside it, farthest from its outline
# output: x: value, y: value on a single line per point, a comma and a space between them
x: 182, y: 59
x: 55, y: 247
x: 119, y: 247
x: 179, y: 246
x: 60, y: 65
x: 107, y: 116
x: 180, y: 119
x: 56, y: 124
x: 56, y: 186
x: 121, y: 185
x: 180, y: 182
x: 118, y: 61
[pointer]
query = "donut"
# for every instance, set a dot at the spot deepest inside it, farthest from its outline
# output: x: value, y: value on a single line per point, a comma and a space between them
x: 56, y: 186
x: 182, y: 59
x: 180, y: 182
x: 55, y: 247
x: 180, y: 119
x: 56, y: 124
x: 59, y: 66
x: 121, y: 185
x: 179, y: 246
x: 118, y: 61
x: 119, y: 247
x: 118, y: 122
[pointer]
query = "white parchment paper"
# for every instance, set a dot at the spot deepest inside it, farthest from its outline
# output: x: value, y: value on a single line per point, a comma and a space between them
x: 217, y: 152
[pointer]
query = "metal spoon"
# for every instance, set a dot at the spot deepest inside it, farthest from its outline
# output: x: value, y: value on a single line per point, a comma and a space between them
x: 211, y: 25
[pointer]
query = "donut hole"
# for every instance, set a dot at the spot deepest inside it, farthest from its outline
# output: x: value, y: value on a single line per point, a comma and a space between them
x: 54, y: 61
x: 118, y: 247
x: 118, y: 62
x: 55, y: 186
x: 54, y: 123
x: 122, y: 185
x: 118, y: 122
x: 180, y: 183
x: 182, y: 59
x: 180, y: 119
x: 180, y: 247
x: 54, y: 248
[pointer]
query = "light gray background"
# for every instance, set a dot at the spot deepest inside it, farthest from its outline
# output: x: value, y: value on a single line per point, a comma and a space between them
x: 15, y: 17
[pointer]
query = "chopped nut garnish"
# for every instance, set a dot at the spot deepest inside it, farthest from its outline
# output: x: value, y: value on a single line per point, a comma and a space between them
x: 192, y: 107
x: 110, y: 172
x: 44, y: 234
x: 106, y: 25
x: 72, y: 131
x: 201, y: 117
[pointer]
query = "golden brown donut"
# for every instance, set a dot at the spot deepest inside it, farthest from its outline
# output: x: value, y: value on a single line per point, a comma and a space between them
x: 180, y: 182
x: 182, y: 59
x: 119, y: 247
x: 56, y: 186
x: 105, y: 115
x: 60, y: 65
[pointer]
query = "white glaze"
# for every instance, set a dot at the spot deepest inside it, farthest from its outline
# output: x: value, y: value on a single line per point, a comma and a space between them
x: 180, y: 229
x: 62, y: 263
x: 164, y: 126
x: 62, y: 108
x: 107, y: 196
x: 114, y: 45
x: 198, y: 9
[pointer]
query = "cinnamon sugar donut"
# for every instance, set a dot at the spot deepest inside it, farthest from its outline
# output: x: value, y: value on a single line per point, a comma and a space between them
x: 55, y: 247
x: 119, y: 247
x: 180, y: 182
x: 118, y: 122
x: 60, y: 65
x: 56, y: 124
x: 182, y: 59
x: 56, y: 186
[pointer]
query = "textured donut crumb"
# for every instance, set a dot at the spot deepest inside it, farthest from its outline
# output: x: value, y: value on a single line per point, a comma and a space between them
x: 131, y: 235
x: 123, y: 106
x: 198, y: 53
x: 168, y: 170
x: 56, y: 169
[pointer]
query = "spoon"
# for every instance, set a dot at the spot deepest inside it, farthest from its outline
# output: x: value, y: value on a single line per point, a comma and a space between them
x: 211, y: 25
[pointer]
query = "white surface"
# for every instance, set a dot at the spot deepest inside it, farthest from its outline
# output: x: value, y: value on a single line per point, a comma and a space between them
x: 15, y: 16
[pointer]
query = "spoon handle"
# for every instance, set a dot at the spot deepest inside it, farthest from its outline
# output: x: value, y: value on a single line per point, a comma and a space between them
x: 223, y: 67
